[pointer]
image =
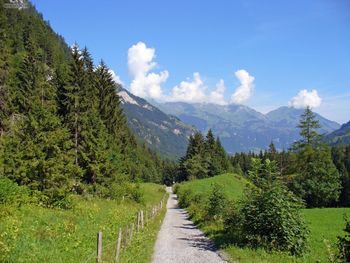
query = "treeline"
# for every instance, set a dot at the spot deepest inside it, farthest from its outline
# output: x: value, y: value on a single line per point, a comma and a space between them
x: 62, y: 129
x: 316, y: 172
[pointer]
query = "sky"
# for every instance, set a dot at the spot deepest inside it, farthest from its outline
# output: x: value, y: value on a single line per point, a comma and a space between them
x: 263, y: 54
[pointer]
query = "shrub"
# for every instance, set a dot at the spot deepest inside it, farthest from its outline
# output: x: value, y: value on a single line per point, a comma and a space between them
x: 136, y: 194
x: 217, y: 202
x: 270, y: 218
x: 344, y: 243
x: 184, y: 197
x: 11, y: 193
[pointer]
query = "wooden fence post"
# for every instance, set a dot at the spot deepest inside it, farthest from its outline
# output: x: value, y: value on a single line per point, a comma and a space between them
x: 117, y: 251
x: 142, y: 223
x: 138, y: 221
x: 99, y: 247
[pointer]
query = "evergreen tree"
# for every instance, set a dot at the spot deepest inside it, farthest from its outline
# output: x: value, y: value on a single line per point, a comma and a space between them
x: 36, y: 149
x: 308, y: 126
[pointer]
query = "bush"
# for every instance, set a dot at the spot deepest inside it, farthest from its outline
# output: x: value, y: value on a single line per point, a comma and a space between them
x: 136, y: 194
x: 217, y: 202
x: 344, y: 243
x: 11, y: 193
x: 184, y: 197
x: 269, y: 218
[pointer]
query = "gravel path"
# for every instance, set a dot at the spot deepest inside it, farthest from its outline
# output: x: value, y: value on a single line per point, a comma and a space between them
x: 180, y: 241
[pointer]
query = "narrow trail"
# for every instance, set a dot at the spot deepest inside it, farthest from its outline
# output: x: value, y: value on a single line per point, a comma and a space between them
x: 179, y: 241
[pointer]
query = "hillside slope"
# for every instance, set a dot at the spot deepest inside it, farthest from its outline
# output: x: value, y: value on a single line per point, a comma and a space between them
x: 233, y: 185
x: 161, y: 132
x: 340, y: 136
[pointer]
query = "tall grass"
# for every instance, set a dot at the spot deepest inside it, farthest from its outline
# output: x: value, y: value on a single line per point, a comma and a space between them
x: 32, y: 233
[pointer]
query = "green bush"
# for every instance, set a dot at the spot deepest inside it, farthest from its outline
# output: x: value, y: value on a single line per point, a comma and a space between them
x: 184, y: 197
x: 136, y: 193
x: 11, y: 193
x: 270, y: 218
x: 217, y: 202
x: 344, y: 243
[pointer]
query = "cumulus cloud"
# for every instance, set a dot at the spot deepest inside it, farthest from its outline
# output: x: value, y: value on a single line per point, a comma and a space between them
x: 148, y: 84
x: 305, y: 98
x: 140, y: 63
x: 245, y: 90
x: 189, y: 91
x: 115, y: 77
x: 217, y: 96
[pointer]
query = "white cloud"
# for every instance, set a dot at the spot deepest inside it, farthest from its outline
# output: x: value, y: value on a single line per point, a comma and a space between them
x: 148, y: 84
x: 305, y: 98
x: 116, y: 78
x: 217, y: 95
x: 140, y: 63
x: 189, y: 91
x: 245, y: 90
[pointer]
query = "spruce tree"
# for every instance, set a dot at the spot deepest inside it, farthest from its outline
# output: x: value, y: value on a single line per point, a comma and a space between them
x: 317, y: 180
x: 308, y: 126
x: 36, y: 151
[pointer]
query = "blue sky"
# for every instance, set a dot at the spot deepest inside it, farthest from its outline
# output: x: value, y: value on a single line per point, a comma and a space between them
x: 263, y: 54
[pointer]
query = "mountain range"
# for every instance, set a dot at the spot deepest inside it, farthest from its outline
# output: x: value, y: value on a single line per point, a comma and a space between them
x: 166, y: 127
x: 242, y: 128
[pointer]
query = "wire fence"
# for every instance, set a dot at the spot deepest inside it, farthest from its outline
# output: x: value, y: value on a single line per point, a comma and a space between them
x: 111, y: 252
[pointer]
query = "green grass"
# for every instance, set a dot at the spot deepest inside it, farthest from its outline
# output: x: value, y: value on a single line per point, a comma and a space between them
x: 36, y: 234
x: 324, y: 224
x: 233, y: 185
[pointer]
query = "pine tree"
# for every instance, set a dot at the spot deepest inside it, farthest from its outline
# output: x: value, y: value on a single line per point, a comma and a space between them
x: 37, y: 147
x: 317, y: 180
x: 308, y: 126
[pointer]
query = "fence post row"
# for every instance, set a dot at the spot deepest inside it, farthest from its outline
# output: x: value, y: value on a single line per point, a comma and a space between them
x: 141, y: 220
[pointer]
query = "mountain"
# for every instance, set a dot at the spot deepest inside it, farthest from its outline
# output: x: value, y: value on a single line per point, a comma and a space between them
x: 162, y: 132
x: 242, y: 128
x: 340, y: 136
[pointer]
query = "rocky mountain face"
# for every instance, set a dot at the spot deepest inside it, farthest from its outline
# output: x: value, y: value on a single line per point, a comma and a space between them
x: 242, y: 128
x: 160, y: 131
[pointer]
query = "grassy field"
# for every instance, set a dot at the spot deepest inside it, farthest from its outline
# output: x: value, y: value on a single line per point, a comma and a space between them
x: 232, y: 185
x: 324, y: 224
x: 36, y: 234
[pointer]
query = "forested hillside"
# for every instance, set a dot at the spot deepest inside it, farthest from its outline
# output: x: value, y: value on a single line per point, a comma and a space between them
x: 61, y: 125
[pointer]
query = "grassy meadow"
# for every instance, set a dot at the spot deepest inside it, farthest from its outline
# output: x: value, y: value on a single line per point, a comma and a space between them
x: 32, y: 233
x: 325, y: 224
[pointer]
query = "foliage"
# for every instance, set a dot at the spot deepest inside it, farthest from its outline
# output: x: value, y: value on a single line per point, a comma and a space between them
x: 11, y: 193
x: 324, y: 224
x: 308, y: 125
x: 268, y: 218
x: 205, y: 157
x: 269, y: 215
x: 62, y: 129
x: 344, y: 243
x: 317, y: 181
x: 34, y: 233
x: 217, y: 202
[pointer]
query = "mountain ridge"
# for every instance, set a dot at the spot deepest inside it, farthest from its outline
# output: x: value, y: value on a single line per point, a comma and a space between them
x: 162, y: 132
x: 242, y: 128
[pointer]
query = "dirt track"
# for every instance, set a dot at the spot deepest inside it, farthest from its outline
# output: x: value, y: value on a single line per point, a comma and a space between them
x: 180, y: 241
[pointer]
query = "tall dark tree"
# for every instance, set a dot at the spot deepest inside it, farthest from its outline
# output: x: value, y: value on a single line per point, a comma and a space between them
x: 308, y: 126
